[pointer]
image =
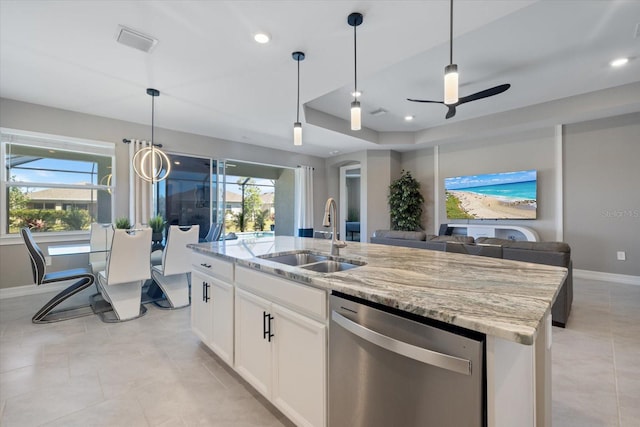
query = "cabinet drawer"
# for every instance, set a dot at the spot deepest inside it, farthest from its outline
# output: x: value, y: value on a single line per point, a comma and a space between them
x: 304, y: 299
x: 213, y: 266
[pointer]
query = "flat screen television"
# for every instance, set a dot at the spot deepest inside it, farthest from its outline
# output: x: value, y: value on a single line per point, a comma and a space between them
x: 504, y: 195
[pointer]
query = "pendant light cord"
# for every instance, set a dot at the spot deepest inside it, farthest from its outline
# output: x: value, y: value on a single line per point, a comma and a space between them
x: 355, y: 64
x: 451, y: 33
x: 298, y: 101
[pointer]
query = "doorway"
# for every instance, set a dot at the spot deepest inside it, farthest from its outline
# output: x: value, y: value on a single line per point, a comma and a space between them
x: 350, y: 201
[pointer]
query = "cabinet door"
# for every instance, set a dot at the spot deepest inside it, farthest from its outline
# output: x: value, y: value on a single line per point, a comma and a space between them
x: 222, y: 334
x: 201, y: 307
x: 299, y: 367
x: 252, y: 347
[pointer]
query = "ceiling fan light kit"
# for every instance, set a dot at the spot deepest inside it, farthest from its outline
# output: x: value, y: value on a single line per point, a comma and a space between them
x: 297, y: 126
x: 355, y: 19
x: 451, y: 84
x: 451, y: 97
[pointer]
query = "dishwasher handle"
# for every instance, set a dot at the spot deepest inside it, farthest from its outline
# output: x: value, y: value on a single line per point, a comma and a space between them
x: 445, y: 361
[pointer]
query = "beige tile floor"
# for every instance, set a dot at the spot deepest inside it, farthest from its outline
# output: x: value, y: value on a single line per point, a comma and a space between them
x: 153, y: 371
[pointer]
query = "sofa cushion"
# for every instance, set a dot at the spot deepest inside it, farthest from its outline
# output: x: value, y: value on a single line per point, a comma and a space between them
x: 458, y: 239
x: 398, y: 234
x: 532, y: 246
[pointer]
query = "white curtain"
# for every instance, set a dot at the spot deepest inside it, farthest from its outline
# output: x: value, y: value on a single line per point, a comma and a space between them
x: 304, y: 199
x: 140, y: 191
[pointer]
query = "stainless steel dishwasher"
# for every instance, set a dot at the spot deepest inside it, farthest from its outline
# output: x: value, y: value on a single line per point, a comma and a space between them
x: 388, y: 368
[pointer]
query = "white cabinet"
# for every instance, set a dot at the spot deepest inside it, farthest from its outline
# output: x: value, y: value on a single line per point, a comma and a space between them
x: 201, y: 311
x: 253, y: 348
x: 212, y: 305
x: 222, y: 333
x: 299, y: 366
x: 279, y: 351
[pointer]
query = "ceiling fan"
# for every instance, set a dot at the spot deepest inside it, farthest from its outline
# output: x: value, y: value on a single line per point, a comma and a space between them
x: 451, y: 99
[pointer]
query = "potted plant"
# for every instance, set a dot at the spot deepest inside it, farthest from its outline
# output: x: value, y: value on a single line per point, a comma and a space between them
x: 123, y: 223
x: 405, y: 203
x: 157, y: 228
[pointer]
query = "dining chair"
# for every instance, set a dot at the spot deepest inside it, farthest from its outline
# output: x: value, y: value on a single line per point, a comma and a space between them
x: 82, y: 278
x: 99, y: 244
x: 214, y: 232
x: 127, y: 268
x: 173, y: 275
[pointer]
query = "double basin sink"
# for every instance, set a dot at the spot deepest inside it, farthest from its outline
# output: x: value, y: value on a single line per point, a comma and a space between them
x: 313, y: 261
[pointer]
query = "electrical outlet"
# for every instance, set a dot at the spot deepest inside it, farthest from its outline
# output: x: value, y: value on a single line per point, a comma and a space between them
x: 622, y: 256
x: 47, y: 260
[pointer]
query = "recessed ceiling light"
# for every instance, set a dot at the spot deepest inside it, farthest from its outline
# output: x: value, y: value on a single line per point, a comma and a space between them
x: 356, y: 93
x: 52, y: 151
x: 176, y: 162
x: 409, y: 118
x: 619, y: 62
x: 262, y: 38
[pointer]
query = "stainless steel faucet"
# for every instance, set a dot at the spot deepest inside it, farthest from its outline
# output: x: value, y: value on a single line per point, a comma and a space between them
x: 331, y: 219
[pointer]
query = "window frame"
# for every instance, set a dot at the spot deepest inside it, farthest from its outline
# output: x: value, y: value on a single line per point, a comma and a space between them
x: 57, y: 142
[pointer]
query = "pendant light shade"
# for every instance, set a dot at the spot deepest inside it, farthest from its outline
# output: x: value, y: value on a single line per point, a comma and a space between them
x: 451, y: 70
x: 354, y: 20
x: 297, y: 126
x: 451, y: 84
x: 297, y: 133
x: 356, y: 116
x: 151, y: 163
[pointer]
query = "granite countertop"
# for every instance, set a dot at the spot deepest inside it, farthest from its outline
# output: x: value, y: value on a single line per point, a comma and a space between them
x: 503, y: 298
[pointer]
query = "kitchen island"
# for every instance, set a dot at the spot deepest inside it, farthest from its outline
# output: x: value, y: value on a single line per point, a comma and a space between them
x: 508, y: 301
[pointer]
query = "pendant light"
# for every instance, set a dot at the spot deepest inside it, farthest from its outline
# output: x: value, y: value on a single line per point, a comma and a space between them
x: 297, y: 126
x: 451, y: 70
x: 355, y: 19
x: 151, y: 163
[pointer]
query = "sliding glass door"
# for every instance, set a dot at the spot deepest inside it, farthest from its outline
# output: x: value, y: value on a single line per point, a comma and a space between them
x: 190, y: 193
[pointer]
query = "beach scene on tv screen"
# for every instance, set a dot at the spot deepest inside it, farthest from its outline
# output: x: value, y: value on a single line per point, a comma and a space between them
x: 504, y: 195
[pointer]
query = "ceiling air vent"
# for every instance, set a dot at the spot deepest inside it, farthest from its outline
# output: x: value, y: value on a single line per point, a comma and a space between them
x: 637, y: 31
x: 378, y: 112
x: 135, y: 39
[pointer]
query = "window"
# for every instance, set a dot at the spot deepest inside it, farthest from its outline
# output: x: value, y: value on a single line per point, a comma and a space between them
x: 54, y: 184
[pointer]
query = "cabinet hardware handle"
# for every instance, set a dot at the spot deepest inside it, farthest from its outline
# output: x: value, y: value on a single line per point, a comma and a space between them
x: 270, y: 334
x: 205, y: 265
x: 206, y: 292
x: 265, y: 333
x: 204, y: 289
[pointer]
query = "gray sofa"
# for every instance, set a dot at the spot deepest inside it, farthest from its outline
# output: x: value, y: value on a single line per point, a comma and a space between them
x: 550, y: 253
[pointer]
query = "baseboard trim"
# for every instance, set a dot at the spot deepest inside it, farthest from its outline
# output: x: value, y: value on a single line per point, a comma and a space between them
x: 21, y: 291
x: 607, y: 277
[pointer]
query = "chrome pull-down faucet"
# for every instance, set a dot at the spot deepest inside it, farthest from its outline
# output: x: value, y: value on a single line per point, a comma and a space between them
x: 331, y: 219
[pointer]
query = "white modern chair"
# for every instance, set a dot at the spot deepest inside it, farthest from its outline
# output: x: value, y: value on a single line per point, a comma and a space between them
x: 173, y: 275
x: 127, y: 268
x: 99, y: 244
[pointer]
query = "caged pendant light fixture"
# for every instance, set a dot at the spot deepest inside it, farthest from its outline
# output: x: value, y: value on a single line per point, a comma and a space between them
x: 151, y: 163
x: 355, y: 19
x: 451, y: 70
x: 297, y: 126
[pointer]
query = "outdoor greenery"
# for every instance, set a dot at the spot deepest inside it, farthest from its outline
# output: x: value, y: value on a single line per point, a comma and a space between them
x: 405, y: 203
x: 48, y: 220
x: 260, y: 220
x: 252, y: 217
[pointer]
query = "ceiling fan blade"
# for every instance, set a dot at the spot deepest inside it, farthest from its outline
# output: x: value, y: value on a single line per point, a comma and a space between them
x: 424, y: 100
x: 484, y: 93
x: 451, y: 112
